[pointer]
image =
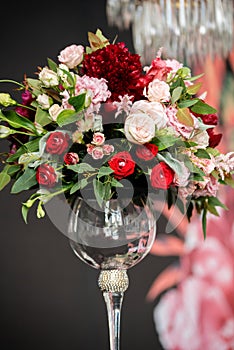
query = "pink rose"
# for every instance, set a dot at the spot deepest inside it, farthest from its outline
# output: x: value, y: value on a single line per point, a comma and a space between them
x: 98, y: 138
x: 97, y: 153
x: 195, y: 316
x: 108, y: 149
x: 72, y: 55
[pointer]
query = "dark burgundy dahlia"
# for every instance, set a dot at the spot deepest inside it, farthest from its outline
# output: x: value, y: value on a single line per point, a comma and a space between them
x: 211, y: 119
x: 118, y: 66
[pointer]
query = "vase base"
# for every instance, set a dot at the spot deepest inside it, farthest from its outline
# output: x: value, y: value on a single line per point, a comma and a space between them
x: 113, y: 281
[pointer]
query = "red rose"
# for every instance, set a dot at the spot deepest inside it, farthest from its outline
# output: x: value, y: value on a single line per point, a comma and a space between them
x: 161, y: 176
x: 214, y: 139
x: 71, y: 158
x: 46, y: 175
x: 147, y: 151
x: 57, y: 142
x: 122, y: 164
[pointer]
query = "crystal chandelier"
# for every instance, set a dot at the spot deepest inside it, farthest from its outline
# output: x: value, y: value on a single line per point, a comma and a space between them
x: 188, y: 30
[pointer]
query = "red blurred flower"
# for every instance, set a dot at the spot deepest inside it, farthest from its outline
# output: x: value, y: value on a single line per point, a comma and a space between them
x: 147, y: 151
x: 118, y: 66
x: 57, y: 142
x: 71, y: 158
x: 46, y: 175
x: 161, y: 176
x: 122, y: 164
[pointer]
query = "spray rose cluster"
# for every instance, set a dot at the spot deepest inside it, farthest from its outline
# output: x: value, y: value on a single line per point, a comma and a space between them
x: 97, y: 116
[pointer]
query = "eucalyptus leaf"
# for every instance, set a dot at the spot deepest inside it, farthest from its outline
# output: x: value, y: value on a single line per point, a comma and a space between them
x: 52, y: 65
x: 173, y: 163
x: 81, y: 168
x: 187, y: 103
x: 24, y: 212
x: 99, y: 191
x: 25, y: 181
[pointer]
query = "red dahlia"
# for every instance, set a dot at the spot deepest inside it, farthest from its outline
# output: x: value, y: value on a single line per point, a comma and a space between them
x: 118, y: 66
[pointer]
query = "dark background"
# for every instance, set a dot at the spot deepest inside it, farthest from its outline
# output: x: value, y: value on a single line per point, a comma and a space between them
x: 48, y: 298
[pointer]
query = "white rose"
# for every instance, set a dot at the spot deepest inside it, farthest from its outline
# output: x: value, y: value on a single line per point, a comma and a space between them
x: 54, y: 111
x: 139, y: 128
x: 154, y: 109
x: 72, y: 55
x: 48, y: 77
x: 44, y: 101
x: 157, y: 91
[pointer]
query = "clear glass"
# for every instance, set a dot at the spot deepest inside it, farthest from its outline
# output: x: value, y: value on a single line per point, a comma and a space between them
x: 112, y: 238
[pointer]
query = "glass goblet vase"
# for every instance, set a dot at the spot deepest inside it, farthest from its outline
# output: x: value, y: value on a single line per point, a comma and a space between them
x: 112, y: 238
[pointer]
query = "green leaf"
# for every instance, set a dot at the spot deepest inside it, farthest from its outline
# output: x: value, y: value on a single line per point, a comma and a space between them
x: 78, y: 102
x: 4, y: 179
x: 203, y: 108
x: 212, y: 210
x: 17, y: 121
x: 184, y: 117
x: 202, y: 153
x: 52, y: 65
x: 104, y: 170
x: 99, y: 191
x: 24, y: 211
x: 204, y: 222
x: 164, y: 140
x: 68, y: 116
x: 188, y: 103
x: 215, y: 202
x: 79, y: 185
x: 13, y: 169
x: 81, y: 168
x: 42, y: 117
x: 176, y: 94
x: 193, y: 89
x: 31, y: 146
x: 116, y: 183
x: 25, y: 181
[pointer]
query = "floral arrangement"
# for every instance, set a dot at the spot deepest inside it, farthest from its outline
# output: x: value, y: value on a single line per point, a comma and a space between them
x: 98, y: 118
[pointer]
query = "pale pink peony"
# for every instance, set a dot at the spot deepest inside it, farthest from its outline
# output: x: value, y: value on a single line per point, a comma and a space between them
x: 158, y: 91
x: 195, y: 316
x: 71, y: 56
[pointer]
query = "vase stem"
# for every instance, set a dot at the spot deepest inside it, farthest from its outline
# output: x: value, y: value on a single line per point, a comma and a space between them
x: 113, y: 304
x: 113, y: 284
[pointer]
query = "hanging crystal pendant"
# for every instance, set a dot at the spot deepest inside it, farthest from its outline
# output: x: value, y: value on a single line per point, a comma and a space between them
x: 188, y: 30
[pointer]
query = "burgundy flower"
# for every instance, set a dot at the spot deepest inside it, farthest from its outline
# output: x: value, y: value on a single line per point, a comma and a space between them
x: 122, y: 164
x: 57, y: 143
x: 46, y: 175
x: 27, y: 98
x: 118, y: 66
x: 161, y: 176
